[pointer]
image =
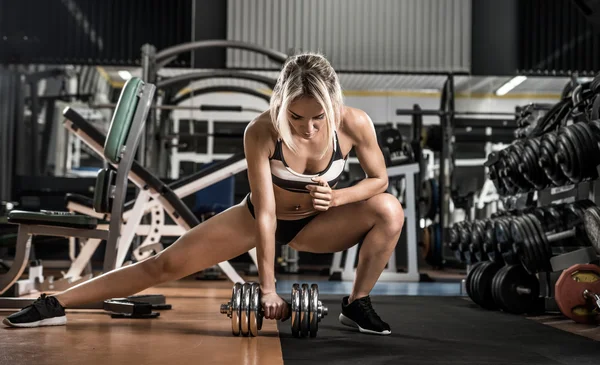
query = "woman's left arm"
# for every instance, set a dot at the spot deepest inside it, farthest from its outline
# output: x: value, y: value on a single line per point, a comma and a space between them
x: 362, y: 131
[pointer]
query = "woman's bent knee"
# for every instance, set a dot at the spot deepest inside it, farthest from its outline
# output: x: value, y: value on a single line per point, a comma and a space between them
x: 388, y: 211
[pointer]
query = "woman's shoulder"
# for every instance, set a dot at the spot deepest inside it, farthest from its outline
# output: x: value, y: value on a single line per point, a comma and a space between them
x: 261, y: 126
x: 356, y: 123
x: 261, y: 131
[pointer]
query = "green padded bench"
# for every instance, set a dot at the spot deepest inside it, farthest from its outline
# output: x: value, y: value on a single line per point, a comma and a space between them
x: 122, y: 140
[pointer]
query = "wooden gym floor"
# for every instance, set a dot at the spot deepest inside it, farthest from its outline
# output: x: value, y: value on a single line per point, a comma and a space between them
x: 194, y: 332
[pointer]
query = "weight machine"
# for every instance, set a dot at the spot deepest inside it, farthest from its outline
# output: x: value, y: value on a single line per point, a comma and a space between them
x: 153, y: 61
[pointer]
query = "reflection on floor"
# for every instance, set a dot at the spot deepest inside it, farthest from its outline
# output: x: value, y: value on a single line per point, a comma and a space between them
x: 381, y: 288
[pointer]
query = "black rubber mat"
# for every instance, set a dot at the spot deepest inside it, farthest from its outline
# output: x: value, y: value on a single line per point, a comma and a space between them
x: 437, y: 330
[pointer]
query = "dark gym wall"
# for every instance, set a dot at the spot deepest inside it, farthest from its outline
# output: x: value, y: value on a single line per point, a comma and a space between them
x: 556, y: 36
x: 534, y: 37
x: 210, y: 22
x: 494, y: 37
x: 107, y: 32
x: 11, y: 125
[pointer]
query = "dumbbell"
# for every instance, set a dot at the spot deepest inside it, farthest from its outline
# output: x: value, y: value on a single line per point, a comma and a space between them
x: 246, y: 312
x: 477, y: 239
x: 515, y: 291
x: 508, y: 288
x: 505, y: 240
x: 529, y: 165
x: 548, y: 151
x: 577, y: 151
x: 536, y: 246
x: 577, y: 293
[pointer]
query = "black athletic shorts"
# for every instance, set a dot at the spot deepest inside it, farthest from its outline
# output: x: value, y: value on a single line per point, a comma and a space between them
x: 286, y: 230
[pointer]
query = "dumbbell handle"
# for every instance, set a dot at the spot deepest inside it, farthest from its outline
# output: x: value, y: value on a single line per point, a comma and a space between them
x: 589, y: 295
x: 523, y: 290
x: 226, y: 307
x: 561, y: 235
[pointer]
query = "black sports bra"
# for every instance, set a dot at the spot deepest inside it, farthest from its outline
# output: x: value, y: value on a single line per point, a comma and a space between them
x: 286, y: 178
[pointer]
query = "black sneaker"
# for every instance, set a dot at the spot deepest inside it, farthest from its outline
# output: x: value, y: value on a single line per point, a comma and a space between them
x: 360, y: 314
x: 45, y: 311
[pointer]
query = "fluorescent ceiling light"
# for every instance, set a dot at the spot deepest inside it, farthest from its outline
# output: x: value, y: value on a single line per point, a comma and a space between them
x: 511, y: 84
x: 124, y: 74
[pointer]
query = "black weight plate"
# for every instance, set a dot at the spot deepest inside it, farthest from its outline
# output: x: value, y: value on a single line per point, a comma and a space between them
x: 514, y: 301
x: 589, y: 151
x: 453, y: 237
x: 526, y: 256
x: 502, y: 233
x: 477, y: 237
x: 489, y: 244
x: 571, y: 160
x: 539, y: 244
x: 544, y: 245
x: 578, y: 143
x: 484, y: 284
x: 499, y: 277
x: 465, y: 235
x: 593, y: 149
x: 475, y: 286
x: 586, y: 150
x: 533, y: 244
x: 574, y: 166
x: 469, y: 279
x: 518, y: 233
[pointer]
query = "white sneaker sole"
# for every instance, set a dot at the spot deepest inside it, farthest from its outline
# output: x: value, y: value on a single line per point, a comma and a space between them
x: 55, y: 321
x: 350, y: 323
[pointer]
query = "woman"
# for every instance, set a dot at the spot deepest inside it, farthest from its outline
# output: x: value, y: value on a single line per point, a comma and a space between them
x: 296, y: 152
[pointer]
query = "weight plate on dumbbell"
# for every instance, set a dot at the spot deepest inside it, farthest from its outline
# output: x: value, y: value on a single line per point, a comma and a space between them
x: 475, y: 287
x: 469, y: 279
x: 482, y: 285
x: 255, y: 317
x: 236, y: 307
x: 477, y: 238
x: 295, y: 308
x: 516, y: 291
x: 496, y: 288
x: 245, y: 312
x: 305, y: 308
x: 592, y: 226
x: 541, y: 246
x: 535, y: 245
x: 519, y: 235
x: 314, y: 310
x: 569, y: 292
x: 532, y: 245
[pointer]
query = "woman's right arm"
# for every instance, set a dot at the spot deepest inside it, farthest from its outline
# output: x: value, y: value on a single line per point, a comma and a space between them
x: 257, y: 145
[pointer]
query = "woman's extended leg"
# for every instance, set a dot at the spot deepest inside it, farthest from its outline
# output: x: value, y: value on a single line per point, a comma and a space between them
x: 223, y: 237
x: 379, y: 220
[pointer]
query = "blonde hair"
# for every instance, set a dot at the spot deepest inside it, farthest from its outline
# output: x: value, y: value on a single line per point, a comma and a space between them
x: 306, y: 74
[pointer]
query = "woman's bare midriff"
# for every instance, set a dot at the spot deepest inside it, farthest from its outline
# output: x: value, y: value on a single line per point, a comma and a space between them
x: 291, y: 205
